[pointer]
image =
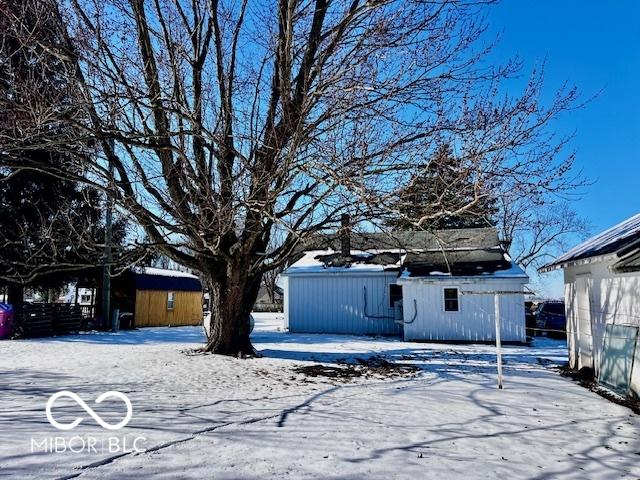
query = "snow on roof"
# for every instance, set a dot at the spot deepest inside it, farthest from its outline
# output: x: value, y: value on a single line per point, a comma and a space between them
x: 147, y: 278
x: 514, y: 271
x: 165, y: 273
x: 609, y: 241
x: 313, y: 261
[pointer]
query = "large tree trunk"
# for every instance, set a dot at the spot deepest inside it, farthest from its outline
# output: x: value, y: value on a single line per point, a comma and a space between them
x: 232, y: 299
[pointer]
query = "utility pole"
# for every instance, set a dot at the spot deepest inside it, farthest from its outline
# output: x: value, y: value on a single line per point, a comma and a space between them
x: 108, y: 238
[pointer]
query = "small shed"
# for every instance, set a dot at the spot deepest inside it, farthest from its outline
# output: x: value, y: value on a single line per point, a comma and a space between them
x: 435, y: 287
x: 602, y: 301
x: 159, y: 297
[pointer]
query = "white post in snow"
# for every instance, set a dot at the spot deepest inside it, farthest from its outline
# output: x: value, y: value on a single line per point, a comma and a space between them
x: 496, y: 299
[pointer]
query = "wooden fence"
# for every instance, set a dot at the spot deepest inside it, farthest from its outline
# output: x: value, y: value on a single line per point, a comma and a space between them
x: 268, y: 307
x: 47, y: 319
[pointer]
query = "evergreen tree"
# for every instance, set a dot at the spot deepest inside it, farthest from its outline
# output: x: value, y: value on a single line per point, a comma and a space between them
x: 446, y: 194
x: 49, y: 227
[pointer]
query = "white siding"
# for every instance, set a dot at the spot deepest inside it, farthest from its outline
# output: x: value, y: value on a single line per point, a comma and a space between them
x: 334, y: 303
x: 474, y: 322
x: 594, y: 297
x: 285, y: 301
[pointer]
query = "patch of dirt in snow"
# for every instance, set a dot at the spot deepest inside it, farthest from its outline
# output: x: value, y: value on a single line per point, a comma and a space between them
x: 364, y: 367
x: 587, y: 381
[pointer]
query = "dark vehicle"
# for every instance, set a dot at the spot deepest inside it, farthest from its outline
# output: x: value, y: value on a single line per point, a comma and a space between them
x: 550, y: 316
x: 530, y: 318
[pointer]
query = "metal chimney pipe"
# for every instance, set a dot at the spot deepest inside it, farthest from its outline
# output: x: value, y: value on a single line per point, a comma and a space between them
x: 345, y: 235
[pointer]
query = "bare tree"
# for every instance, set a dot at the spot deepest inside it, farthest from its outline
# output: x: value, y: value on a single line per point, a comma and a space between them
x: 270, y: 283
x: 224, y: 121
x: 537, y: 231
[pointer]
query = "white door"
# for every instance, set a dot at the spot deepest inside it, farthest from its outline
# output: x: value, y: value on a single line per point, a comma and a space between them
x: 571, y: 307
x: 583, y: 315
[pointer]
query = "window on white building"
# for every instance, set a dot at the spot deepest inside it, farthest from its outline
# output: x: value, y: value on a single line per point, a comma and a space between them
x: 451, y: 302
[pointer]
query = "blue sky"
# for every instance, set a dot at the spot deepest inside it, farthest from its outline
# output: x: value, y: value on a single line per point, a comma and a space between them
x: 596, y: 46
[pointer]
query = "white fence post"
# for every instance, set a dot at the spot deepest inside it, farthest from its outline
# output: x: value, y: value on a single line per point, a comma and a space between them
x: 496, y: 299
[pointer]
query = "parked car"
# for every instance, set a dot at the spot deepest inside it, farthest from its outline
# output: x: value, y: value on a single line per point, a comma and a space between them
x: 530, y: 318
x: 550, y: 316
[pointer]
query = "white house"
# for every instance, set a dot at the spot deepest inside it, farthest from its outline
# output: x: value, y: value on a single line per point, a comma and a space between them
x: 602, y: 302
x: 422, y: 286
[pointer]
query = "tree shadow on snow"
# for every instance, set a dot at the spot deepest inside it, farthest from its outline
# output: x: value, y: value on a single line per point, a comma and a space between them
x: 141, y: 336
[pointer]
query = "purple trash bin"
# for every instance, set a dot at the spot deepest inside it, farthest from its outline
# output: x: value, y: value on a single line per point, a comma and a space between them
x: 6, y: 320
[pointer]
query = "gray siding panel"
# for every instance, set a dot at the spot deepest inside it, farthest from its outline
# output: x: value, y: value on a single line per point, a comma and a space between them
x: 335, y: 304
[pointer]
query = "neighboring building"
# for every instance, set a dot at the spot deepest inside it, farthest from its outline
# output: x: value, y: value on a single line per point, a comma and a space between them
x: 159, y: 297
x: 147, y: 297
x: 143, y: 297
x: 78, y: 295
x: 85, y: 296
x: 602, y: 298
x: 265, y: 302
x: 422, y: 286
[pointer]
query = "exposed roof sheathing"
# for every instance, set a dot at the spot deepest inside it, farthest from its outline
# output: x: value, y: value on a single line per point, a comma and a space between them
x: 464, y: 252
x: 455, y: 238
x: 463, y: 263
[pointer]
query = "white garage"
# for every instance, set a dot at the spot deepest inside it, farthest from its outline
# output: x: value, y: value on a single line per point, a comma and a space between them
x: 602, y: 298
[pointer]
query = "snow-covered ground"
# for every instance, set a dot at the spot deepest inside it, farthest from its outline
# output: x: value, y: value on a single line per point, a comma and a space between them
x: 205, y: 416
